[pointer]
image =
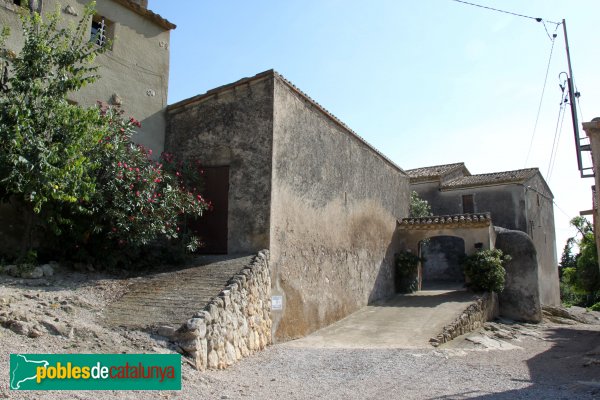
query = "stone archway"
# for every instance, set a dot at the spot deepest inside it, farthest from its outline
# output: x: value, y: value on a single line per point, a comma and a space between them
x: 474, y: 230
x: 441, y: 259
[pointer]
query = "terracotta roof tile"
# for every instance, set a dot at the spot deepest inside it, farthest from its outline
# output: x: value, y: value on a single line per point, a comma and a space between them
x: 495, y: 178
x: 455, y: 221
x: 432, y: 173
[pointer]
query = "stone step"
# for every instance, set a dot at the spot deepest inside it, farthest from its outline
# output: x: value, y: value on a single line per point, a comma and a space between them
x: 171, y: 298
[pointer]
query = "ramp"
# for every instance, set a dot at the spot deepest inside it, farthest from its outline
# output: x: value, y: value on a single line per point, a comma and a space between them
x: 171, y: 298
x: 405, y: 321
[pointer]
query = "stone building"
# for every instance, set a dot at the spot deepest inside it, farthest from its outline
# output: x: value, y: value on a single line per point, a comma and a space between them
x: 517, y: 200
x: 592, y: 130
x: 286, y: 175
x: 134, y: 71
x: 296, y: 180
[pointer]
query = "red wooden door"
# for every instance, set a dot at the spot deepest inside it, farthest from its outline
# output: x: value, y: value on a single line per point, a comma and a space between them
x: 211, y: 228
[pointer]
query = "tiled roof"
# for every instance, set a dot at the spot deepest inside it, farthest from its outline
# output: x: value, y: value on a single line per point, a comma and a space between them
x: 432, y: 173
x: 449, y: 221
x: 144, y: 12
x: 495, y: 178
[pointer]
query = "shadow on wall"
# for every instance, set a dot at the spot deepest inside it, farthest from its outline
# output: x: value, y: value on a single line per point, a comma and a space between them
x: 387, y: 270
x: 559, y: 372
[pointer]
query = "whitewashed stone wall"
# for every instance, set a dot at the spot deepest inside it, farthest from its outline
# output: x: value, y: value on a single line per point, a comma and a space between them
x: 234, y: 324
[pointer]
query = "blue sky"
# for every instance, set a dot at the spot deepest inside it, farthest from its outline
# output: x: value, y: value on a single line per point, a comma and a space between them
x: 426, y: 82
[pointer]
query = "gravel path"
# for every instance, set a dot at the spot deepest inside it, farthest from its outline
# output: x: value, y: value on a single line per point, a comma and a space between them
x: 548, y: 367
x: 546, y: 361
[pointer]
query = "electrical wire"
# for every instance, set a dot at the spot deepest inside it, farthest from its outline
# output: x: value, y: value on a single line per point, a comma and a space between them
x: 578, y: 103
x: 561, y: 116
x: 537, y: 118
x: 553, y: 160
x: 505, y: 12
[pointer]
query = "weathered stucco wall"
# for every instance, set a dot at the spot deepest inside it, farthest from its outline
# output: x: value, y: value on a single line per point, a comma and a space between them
x: 505, y: 202
x: 540, y: 215
x: 524, y: 207
x: 520, y: 299
x: 592, y: 130
x: 232, y: 126
x: 333, y: 216
x: 136, y: 69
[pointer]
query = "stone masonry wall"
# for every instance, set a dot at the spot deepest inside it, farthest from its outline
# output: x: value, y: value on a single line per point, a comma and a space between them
x: 232, y: 126
x: 484, y: 309
x: 234, y: 324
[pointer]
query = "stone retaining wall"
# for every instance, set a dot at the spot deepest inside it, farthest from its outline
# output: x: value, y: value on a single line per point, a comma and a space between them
x: 234, y: 324
x: 483, y: 309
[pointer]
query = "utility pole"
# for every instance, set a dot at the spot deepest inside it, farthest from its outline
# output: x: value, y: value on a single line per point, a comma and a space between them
x: 572, y: 99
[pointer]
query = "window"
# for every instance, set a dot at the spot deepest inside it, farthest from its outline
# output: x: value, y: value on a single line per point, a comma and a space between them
x: 102, y: 30
x: 468, y: 204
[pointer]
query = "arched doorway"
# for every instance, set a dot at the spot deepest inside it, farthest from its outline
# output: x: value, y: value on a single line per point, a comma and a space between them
x: 442, y: 256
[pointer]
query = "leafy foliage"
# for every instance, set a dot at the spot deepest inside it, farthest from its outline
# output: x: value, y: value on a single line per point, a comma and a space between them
x: 407, y: 272
x: 45, y: 139
x: 485, y: 270
x: 94, y: 193
x: 580, y: 275
x: 418, y: 207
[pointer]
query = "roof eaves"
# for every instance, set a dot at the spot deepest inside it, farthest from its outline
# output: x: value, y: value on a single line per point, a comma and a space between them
x: 219, y: 89
x: 338, y: 122
x: 144, y: 12
x: 273, y: 73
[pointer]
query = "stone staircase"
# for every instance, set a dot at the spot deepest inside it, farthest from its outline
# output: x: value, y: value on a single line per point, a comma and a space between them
x: 171, y: 298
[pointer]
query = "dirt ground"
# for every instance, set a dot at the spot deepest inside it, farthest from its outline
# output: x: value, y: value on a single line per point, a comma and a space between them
x: 64, y: 313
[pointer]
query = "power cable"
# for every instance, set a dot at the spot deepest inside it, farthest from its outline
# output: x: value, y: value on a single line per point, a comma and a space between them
x: 563, y: 101
x: 553, y: 160
x: 577, y: 96
x: 537, y: 118
x: 505, y: 12
x: 562, y: 211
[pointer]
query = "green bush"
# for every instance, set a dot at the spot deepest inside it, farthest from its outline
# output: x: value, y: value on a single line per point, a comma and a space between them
x: 137, y: 201
x: 579, y: 273
x: 485, y: 270
x: 595, y: 307
x: 407, y: 276
x: 86, y: 188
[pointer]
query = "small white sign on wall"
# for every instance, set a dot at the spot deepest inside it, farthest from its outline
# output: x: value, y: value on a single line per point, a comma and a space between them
x: 276, y: 302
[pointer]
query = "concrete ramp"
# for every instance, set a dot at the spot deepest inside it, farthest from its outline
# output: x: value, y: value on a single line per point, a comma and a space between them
x: 171, y: 298
x: 405, y: 321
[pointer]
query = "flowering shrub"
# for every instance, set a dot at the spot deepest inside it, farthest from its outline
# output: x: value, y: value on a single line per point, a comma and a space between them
x: 137, y: 200
x: 84, y: 187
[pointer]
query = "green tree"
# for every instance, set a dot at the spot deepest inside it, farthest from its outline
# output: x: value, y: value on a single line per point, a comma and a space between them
x: 580, y: 276
x: 90, y: 189
x: 45, y: 140
x: 418, y: 207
